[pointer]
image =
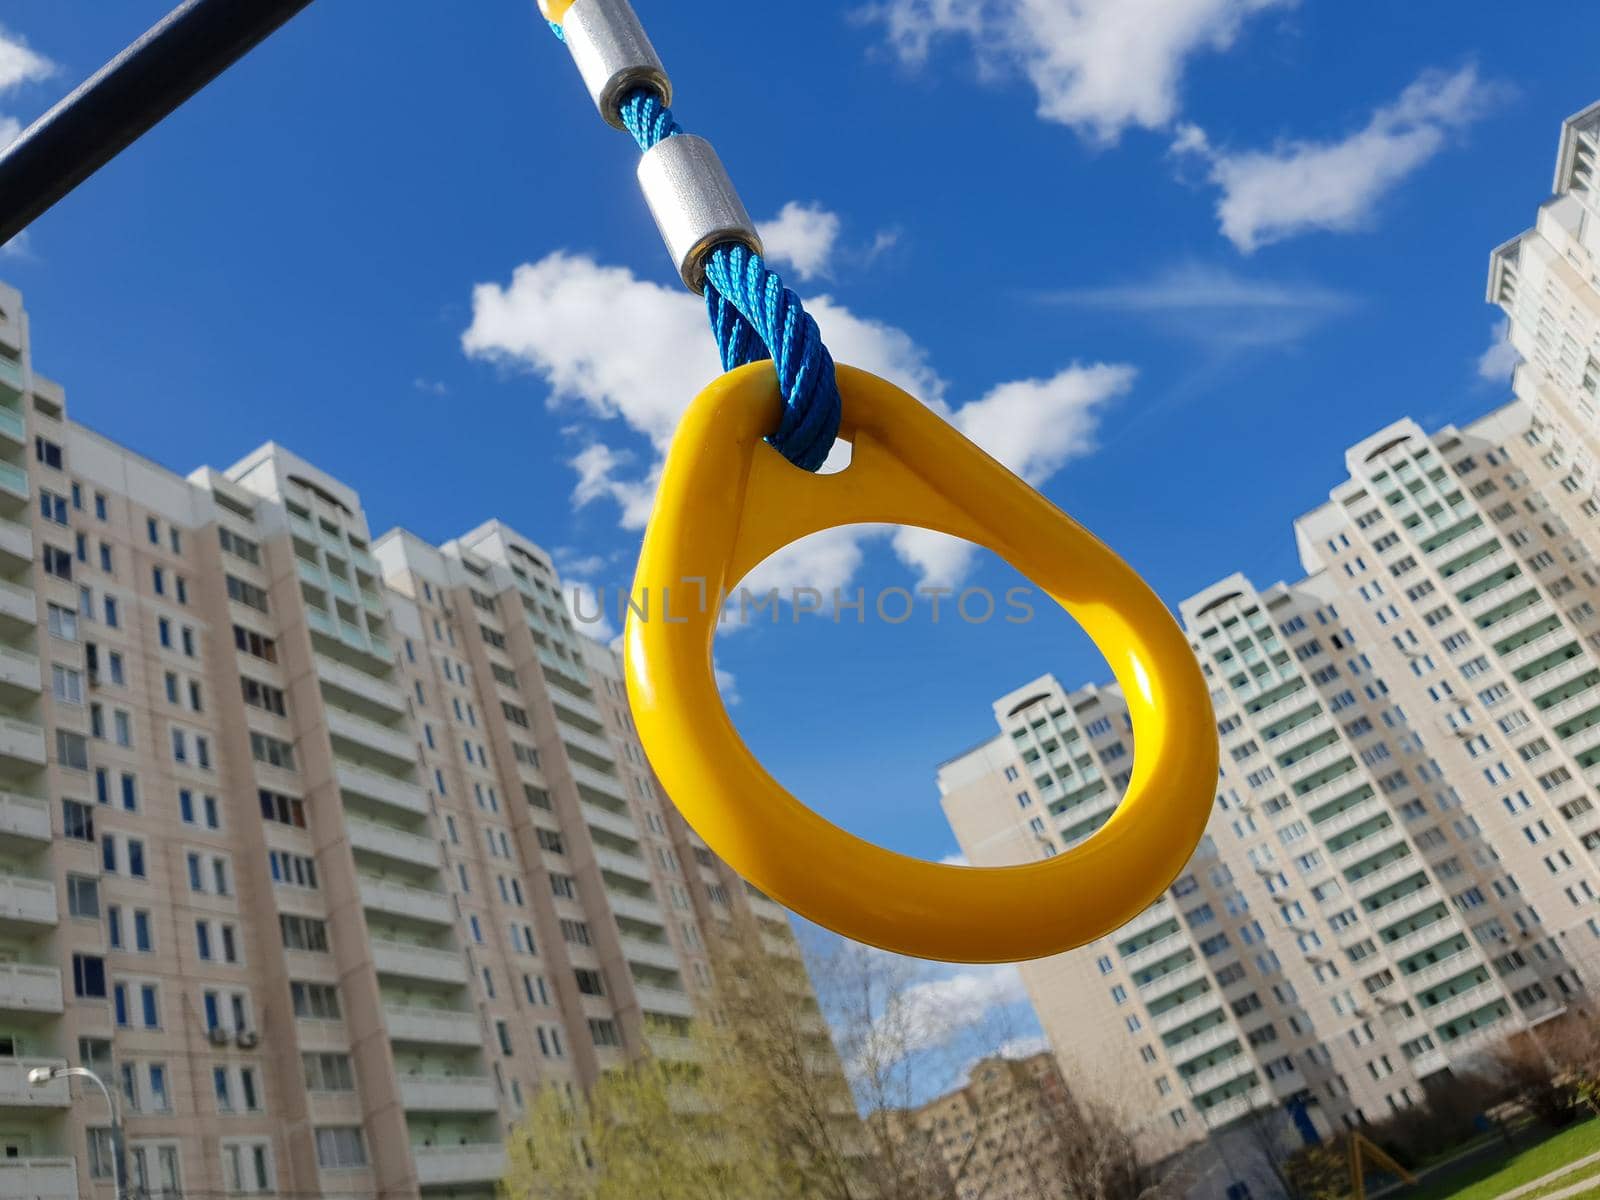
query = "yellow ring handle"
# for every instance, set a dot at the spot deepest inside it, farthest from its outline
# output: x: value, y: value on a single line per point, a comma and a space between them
x: 727, y: 501
x: 554, y: 10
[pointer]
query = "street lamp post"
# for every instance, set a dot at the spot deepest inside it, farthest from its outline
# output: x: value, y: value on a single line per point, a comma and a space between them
x: 39, y: 1076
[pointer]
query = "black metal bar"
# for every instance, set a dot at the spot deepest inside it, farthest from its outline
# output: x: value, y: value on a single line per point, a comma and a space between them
x: 127, y: 97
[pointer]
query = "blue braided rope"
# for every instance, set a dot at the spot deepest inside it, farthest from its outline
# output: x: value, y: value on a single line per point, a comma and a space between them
x: 755, y: 317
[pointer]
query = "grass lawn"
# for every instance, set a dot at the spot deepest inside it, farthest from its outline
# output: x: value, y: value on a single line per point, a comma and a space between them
x: 1496, y: 1176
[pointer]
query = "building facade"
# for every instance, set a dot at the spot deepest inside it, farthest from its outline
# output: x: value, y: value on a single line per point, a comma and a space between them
x: 996, y: 1137
x: 1547, y: 282
x: 1399, y: 868
x: 324, y: 851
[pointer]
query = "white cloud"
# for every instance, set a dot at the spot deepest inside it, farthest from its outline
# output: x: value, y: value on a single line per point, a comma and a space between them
x: 955, y: 860
x: 19, y: 65
x: 1216, y: 307
x: 1099, y: 66
x: 587, y: 608
x: 9, y: 128
x: 1497, y: 363
x: 1034, y: 427
x: 935, y: 1010
x: 1300, y: 186
x: 432, y: 387
x: 802, y: 236
x: 727, y: 685
x: 1024, y: 1047
x: 627, y: 350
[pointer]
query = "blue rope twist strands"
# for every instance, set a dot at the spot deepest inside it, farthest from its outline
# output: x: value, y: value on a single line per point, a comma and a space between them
x: 754, y: 317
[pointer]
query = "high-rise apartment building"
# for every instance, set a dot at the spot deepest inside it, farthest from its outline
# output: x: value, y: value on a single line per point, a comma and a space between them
x: 999, y: 1136
x: 325, y: 852
x: 1547, y: 281
x: 1399, y: 868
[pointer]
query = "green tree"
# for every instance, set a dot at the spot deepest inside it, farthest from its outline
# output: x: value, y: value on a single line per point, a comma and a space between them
x: 654, y: 1130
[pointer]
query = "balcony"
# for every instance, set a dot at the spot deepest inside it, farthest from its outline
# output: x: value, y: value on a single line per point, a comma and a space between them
x: 1422, y: 939
x: 1363, y: 810
x: 1220, y: 1075
x: 1158, y: 913
x: 19, y: 675
x: 16, y: 543
x: 768, y: 909
x: 1429, y: 1062
x: 1148, y: 956
x: 1232, y: 1109
x: 406, y: 960
x: 780, y: 945
x: 10, y: 375
x: 448, y: 1093
x: 1486, y: 566
x: 1438, y: 972
x: 588, y: 743
x: 29, y: 903
x: 617, y: 863
x: 14, y: 490
x: 1406, y: 906
x: 395, y: 844
x: 19, y: 609
x: 1487, y: 602
x: 597, y: 781
x: 585, y: 710
x: 1528, y: 652
x: 650, y: 954
x: 666, y: 1001
x: 39, y: 1178
x: 402, y: 900
x: 1371, y: 885
x: 1177, y: 1018
x: 391, y: 743
x: 432, y: 1026
x: 1203, y: 1043
x: 1374, y: 844
x: 17, y: 1094
x: 24, y: 818
x: 482, y: 1162
x: 1555, y: 677
x: 1462, y: 1003
x: 563, y: 672
x: 1172, y: 981
x: 25, y: 988
x: 1572, y: 706
x: 620, y: 824
x: 385, y: 789
x: 375, y: 691
x: 636, y: 908
x: 1305, y: 767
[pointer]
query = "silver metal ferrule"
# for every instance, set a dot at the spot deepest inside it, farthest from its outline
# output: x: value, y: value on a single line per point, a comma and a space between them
x: 613, y: 55
x: 694, y: 204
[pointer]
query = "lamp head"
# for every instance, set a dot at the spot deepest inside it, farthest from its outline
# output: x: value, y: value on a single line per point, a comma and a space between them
x: 40, y: 1075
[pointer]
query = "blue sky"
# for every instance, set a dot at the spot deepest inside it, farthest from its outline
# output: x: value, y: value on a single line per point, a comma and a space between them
x: 1167, y: 258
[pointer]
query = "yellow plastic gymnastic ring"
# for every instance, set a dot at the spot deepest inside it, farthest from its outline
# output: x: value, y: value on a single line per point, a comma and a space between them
x: 555, y: 10
x: 727, y: 501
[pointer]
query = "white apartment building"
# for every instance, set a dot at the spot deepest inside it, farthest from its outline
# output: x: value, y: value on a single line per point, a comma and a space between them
x: 1399, y: 868
x: 325, y: 852
x: 1547, y: 281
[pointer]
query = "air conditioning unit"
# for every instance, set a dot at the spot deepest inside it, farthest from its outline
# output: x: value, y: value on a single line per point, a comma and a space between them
x: 248, y: 1039
x: 219, y: 1036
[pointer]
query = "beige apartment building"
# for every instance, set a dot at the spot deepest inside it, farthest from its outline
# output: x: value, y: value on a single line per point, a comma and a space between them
x: 1547, y: 282
x: 996, y: 1137
x: 324, y: 851
x: 1400, y: 869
